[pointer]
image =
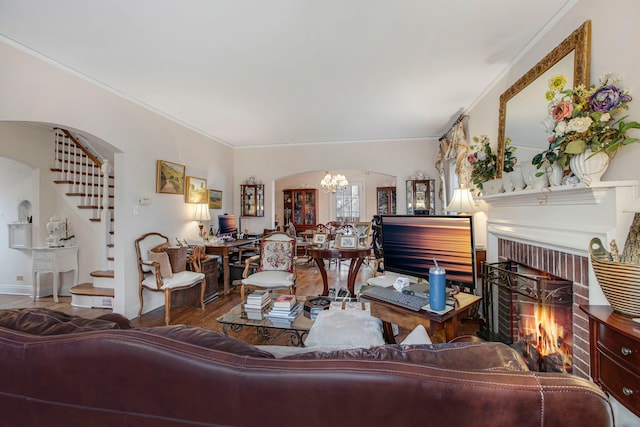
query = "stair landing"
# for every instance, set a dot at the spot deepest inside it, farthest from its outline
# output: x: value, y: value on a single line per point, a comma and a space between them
x: 88, y: 296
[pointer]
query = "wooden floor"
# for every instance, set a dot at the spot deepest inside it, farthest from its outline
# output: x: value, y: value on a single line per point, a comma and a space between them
x: 309, y: 282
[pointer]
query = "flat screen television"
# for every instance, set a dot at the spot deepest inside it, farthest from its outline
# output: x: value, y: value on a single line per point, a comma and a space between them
x: 227, y: 225
x: 410, y: 244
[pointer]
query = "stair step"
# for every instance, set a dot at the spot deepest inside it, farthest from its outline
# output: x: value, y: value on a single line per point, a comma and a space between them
x: 88, y: 296
x: 90, y: 290
x: 103, y: 273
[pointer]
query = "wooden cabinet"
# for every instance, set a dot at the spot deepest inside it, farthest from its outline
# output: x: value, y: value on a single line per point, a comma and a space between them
x: 191, y: 296
x: 421, y: 197
x: 252, y: 200
x: 300, y: 207
x: 615, y: 354
x: 386, y: 200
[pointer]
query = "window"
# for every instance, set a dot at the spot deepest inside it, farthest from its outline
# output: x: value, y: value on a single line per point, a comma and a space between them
x: 348, y: 200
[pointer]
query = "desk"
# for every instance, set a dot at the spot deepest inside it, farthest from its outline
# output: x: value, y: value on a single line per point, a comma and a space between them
x: 357, y: 256
x: 54, y: 261
x: 434, y: 323
x: 224, y: 249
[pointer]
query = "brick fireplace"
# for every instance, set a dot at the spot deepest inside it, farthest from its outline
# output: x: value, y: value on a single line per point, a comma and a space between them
x: 550, y: 230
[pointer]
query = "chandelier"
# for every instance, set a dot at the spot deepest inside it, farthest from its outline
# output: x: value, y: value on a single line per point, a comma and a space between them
x: 331, y: 184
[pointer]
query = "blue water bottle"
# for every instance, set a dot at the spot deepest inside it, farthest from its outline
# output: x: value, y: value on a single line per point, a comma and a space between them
x: 437, y: 293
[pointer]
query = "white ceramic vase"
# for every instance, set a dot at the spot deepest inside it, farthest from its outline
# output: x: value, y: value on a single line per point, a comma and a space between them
x: 555, y: 173
x: 517, y: 179
x: 493, y: 186
x: 588, y: 166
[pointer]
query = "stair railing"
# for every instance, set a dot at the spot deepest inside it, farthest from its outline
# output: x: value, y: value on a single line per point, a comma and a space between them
x: 88, y: 177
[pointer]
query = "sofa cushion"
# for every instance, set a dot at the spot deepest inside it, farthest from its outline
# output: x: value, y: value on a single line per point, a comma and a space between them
x: 208, y: 339
x: 43, y: 321
x: 492, y: 356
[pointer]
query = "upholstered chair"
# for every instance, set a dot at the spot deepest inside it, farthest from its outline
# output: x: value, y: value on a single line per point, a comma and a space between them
x: 277, y: 268
x: 155, y: 272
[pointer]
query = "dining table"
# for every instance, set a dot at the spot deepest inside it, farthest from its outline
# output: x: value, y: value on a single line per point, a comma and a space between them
x: 356, y: 255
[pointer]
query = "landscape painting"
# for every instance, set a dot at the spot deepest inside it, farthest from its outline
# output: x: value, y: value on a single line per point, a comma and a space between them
x: 169, y: 177
x: 196, y: 190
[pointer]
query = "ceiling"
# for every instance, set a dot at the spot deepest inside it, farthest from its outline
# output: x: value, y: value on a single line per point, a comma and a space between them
x: 272, y: 72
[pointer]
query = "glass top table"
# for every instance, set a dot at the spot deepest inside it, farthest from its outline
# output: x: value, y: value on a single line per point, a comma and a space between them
x: 269, y: 331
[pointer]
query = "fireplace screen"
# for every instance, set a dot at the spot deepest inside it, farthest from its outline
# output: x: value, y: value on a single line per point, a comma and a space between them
x: 531, y: 310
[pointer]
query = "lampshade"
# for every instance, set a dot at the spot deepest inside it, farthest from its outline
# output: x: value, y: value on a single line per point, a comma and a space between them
x: 462, y: 202
x: 201, y: 212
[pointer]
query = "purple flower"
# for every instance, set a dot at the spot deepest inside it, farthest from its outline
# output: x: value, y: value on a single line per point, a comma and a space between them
x: 607, y: 98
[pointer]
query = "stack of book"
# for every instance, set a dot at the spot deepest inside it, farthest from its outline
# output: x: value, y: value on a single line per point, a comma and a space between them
x: 256, y: 303
x: 285, y: 308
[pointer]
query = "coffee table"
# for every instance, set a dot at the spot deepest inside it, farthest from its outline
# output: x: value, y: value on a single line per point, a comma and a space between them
x: 268, y: 331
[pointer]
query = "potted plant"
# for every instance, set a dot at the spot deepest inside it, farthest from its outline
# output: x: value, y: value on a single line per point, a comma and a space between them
x: 484, y: 163
x: 582, y: 122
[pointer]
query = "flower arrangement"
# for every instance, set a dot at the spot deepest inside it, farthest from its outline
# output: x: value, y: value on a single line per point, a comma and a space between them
x: 484, y: 160
x: 580, y: 119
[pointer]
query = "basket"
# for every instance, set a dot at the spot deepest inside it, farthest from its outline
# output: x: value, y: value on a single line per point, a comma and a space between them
x: 620, y: 281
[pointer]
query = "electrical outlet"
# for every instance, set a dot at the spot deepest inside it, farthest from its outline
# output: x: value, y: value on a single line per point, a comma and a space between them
x: 19, y: 278
x: 136, y: 209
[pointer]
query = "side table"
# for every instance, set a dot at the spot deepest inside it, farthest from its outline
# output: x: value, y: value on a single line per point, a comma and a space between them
x: 614, y: 349
x: 54, y: 261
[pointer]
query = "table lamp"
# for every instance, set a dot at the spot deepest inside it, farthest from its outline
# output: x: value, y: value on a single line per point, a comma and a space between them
x: 462, y: 202
x: 201, y: 213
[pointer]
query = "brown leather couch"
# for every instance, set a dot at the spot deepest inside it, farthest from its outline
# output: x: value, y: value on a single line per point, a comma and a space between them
x: 59, y: 370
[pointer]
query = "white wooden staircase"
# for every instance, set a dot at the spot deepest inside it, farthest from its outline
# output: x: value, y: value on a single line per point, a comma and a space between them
x: 89, y: 188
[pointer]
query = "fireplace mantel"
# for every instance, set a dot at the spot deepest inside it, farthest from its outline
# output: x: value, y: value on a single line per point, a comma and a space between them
x: 574, y: 194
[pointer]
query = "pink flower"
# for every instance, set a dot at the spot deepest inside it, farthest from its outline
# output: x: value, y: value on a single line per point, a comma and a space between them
x: 564, y: 110
x: 471, y: 158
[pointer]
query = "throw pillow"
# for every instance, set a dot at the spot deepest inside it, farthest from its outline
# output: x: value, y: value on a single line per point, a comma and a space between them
x: 419, y: 335
x: 277, y: 255
x: 163, y: 259
x: 345, y: 328
x: 161, y: 247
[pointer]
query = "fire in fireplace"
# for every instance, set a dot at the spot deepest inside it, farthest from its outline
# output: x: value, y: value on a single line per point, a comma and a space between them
x: 532, y: 311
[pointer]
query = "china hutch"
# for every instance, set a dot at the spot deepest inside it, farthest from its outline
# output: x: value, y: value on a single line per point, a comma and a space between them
x: 386, y: 200
x: 300, y: 207
x: 421, y: 198
x: 252, y: 199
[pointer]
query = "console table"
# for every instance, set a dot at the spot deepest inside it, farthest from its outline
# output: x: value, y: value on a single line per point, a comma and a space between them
x: 357, y: 257
x: 614, y: 349
x: 54, y: 261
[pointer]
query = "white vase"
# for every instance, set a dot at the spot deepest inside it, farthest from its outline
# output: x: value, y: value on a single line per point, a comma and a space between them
x: 555, y: 173
x: 493, y: 186
x: 588, y: 166
x: 507, y: 183
x: 517, y: 179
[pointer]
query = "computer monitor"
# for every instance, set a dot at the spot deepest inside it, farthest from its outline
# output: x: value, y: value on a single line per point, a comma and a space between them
x: 410, y: 244
x: 227, y: 225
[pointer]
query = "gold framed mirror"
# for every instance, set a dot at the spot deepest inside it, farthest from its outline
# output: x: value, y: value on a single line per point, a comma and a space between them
x: 577, y: 47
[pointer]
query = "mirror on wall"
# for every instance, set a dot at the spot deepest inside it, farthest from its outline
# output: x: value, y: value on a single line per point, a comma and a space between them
x: 523, y: 106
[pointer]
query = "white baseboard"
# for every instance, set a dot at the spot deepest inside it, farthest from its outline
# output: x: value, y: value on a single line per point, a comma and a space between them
x: 15, y: 289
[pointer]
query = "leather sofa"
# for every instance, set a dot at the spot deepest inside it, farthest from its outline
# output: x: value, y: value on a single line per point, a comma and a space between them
x: 60, y: 370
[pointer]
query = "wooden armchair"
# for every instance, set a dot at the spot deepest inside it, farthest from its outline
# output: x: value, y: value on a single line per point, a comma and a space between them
x: 277, y: 269
x: 155, y: 273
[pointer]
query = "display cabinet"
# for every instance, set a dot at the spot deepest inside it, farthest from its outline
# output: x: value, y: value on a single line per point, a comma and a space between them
x: 421, y: 198
x: 386, y: 200
x: 252, y: 199
x: 300, y: 208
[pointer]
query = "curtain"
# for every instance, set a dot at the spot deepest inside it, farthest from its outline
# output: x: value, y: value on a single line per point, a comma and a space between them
x: 453, y: 145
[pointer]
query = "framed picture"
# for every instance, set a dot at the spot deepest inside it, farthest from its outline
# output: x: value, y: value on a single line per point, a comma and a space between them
x: 344, y: 241
x: 215, y: 199
x: 196, y: 190
x: 169, y: 177
x: 319, y: 238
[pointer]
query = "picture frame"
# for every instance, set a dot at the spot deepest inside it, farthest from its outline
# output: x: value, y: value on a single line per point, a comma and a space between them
x: 215, y: 199
x: 169, y: 177
x: 319, y: 238
x: 346, y: 241
x: 363, y: 230
x: 196, y: 190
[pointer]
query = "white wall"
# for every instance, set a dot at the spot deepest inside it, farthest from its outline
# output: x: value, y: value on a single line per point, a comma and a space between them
x: 34, y: 90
